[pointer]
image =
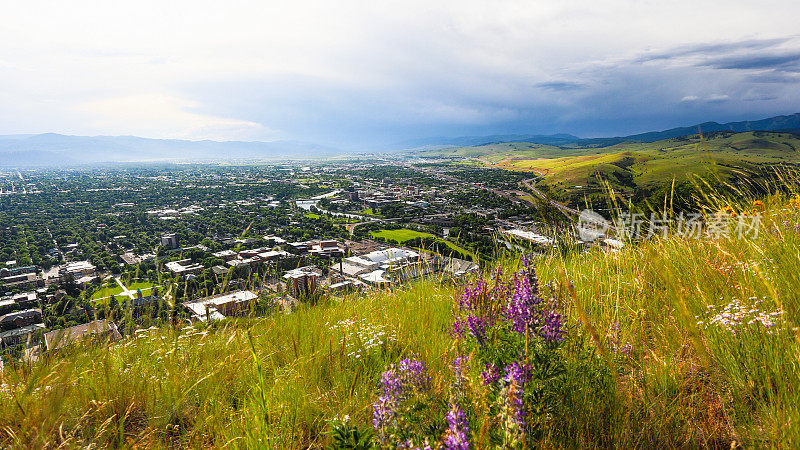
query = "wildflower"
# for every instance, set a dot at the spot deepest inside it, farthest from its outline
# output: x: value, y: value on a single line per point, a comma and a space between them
x: 512, y: 408
x: 758, y: 204
x: 461, y: 367
x: 795, y: 200
x: 457, y: 435
x: 553, y: 327
x: 398, y: 384
x: 490, y: 375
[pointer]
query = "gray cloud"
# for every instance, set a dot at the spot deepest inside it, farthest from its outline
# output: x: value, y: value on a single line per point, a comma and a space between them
x: 774, y: 77
x: 781, y: 61
x: 561, y: 85
x: 712, y: 49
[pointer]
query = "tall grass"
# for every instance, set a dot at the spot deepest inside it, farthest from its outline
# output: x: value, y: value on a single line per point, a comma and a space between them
x: 662, y: 379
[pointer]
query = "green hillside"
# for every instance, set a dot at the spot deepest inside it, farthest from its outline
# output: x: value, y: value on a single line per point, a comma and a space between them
x: 636, y: 169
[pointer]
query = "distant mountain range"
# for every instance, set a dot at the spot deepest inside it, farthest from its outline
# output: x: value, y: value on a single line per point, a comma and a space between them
x: 52, y: 149
x: 789, y: 123
x: 474, y: 141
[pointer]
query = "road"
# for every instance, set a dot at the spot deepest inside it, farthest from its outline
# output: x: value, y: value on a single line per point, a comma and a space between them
x: 569, y: 212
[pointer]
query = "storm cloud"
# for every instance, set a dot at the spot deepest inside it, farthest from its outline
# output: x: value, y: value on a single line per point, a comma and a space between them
x: 364, y: 75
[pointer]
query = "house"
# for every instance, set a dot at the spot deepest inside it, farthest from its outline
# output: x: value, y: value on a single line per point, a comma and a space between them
x: 98, y: 330
x: 221, y: 306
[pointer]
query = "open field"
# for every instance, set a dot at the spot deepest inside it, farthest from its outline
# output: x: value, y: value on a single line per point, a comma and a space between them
x: 107, y: 291
x: 400, y: 235
x: 112, y: 288
x: 403, y: 235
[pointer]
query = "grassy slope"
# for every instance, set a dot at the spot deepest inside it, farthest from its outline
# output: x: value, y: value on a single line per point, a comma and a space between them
x: 497, y: 152
x: 274, y: 381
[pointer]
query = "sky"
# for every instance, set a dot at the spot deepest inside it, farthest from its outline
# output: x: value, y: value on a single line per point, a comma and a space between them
x: 370, y: 74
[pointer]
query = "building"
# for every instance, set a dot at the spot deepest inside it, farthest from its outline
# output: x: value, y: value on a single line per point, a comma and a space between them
x: 220, y: 271
x: 169, y: 240
x: 326, y: 249
x: 274, y: 240
x: 98, y: 331
x: 302, y: 281
x: 26, y: 299
x: 18, y: 327
x: 22, y: 281
x: 458, y: 268
x: 221, y: 306
x: 381, y: 268
x: 11, y: 271
x: 131, y: 259
x: 529, y: 236
x: 20, y: 319
x: 184, y: 267
x: 345, y: 286
x: 20, y: 335
x: 78, y: 269
x: 225, y: 255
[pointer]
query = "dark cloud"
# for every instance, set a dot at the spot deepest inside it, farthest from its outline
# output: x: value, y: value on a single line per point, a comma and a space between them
x: 561, y: 85
x: 774, y: 77
x: 782, y: 61
x: 712, y: 49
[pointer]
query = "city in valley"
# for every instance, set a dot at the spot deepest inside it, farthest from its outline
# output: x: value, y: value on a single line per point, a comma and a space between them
x: 113, y: 250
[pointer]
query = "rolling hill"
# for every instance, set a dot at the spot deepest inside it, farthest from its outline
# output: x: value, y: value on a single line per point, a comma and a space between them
x: 447, y: 147
x: 636, y: 169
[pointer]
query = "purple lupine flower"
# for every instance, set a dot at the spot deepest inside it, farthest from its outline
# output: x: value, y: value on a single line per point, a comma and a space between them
x: 490, y: 375
x: 459, y: 328
x: 414, y: 374
x: 457, y: 435
x: 461, y: 366
x: 383, y: 411
x: 471, y: 295
x: 477, y: 327
x: 552, y: 329
x: 512, y: 408
x: 398, y: 383
x: 521, y: 305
